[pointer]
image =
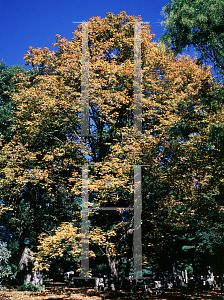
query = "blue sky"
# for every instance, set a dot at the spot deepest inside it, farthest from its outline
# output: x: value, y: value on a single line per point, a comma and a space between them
x: 26, y: 23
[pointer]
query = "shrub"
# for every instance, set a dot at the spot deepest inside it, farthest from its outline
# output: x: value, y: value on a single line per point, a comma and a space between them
x: 5, y: 268
x: 29, y: 287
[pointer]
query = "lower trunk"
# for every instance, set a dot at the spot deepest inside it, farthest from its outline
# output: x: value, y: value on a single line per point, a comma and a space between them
x: 21, y: 239
x: 127, y: 268
x: 113, y: 273
x: 20, y: 273
x: 25, y: 273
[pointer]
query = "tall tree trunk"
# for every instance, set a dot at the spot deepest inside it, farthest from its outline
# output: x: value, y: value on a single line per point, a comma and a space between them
x: 127, y: 268
x: 113, y: 270
x: 20, y: 274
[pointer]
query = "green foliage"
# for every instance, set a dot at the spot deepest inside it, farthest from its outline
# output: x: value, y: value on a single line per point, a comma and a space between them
x: 198, y: 23
x: 29, y: 287
x: 7, y: 87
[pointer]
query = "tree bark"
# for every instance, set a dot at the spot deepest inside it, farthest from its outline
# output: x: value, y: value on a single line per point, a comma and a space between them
x: 113, y: 271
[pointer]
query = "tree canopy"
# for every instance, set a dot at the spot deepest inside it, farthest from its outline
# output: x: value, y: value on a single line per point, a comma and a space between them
x: 7, y: 87
x: 180, y: 150
x: 196, y: 23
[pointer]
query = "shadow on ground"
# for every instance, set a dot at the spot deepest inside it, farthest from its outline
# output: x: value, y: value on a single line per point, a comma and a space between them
x: 62, y: 292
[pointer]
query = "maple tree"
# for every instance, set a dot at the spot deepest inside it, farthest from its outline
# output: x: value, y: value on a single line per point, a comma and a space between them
x: 182, y: 179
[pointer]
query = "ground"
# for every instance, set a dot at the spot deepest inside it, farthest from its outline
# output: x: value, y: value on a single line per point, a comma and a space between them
x: 62, y: 292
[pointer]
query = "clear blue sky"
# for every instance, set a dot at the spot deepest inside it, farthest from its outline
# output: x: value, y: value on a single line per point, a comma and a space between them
x: 26, y: 23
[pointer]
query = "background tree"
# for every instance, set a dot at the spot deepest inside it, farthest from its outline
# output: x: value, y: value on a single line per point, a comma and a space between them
x: 196, y: 23
x: 28, y: 166
x: 7, y: 87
